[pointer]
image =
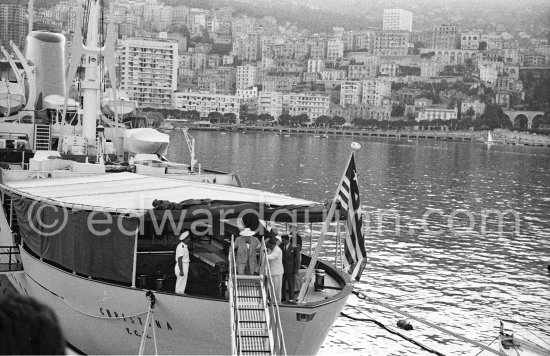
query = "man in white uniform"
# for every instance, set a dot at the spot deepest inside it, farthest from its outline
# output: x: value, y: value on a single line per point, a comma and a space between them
x: 182, y: 263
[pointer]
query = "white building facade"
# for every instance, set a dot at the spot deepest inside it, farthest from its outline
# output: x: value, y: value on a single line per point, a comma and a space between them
x: 311, y: 104
x: 206, y: 103
x: 149, y: 71
x: 270, y: 102
x: 397, y: 19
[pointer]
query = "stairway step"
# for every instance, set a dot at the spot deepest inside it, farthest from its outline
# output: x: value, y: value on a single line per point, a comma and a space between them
x: 254, y: 333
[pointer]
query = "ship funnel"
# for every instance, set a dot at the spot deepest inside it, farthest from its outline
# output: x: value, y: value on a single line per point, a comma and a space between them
x: 46, y: 51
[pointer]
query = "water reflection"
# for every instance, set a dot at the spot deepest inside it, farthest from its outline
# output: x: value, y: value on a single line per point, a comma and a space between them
x: 462, y: 279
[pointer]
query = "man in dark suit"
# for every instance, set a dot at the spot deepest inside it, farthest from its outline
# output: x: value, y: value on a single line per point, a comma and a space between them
x: 291, y: 264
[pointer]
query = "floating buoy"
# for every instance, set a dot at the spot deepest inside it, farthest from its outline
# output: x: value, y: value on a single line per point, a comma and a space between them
x: 404, y: 324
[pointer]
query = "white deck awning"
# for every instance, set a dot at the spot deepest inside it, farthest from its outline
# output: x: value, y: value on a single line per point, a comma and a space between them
x: 129, y: 192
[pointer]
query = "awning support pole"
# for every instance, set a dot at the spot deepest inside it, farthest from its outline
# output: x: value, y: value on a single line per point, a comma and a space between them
x: 134, y: 268
x: 315, y: 256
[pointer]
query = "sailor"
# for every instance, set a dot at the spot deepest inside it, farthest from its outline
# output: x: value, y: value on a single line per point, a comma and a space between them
x: 182, y: 263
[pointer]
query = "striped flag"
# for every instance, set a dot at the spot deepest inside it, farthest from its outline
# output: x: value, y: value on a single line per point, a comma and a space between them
x: 348, y: 197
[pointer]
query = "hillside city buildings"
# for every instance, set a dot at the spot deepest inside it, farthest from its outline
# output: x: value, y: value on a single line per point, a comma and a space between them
x: 217, y: 60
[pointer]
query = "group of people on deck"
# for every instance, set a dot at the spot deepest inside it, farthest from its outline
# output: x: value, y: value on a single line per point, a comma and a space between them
x: 284, y: 259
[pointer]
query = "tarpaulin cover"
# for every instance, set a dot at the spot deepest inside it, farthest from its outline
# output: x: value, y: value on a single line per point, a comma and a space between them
x: 204, y: 209
x: 103, y: 249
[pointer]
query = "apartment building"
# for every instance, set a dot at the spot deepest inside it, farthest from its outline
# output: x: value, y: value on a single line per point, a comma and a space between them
x: 444, y: 36
x: 315, y: 65
x: 335, y: 50
x: 149, y: 71
x: 397, y: 19
x: 469, y: 40
x: 247, y: 94
x: 206, y: 103
x: 311, y: 104
x: 351, y: 93
x: 270, y: 102
x: 375, y: 90
x: 362, y: 71
x: 437, y: 113
x: 391, y: 43
x: 13, y: 25
x: 246, y: 76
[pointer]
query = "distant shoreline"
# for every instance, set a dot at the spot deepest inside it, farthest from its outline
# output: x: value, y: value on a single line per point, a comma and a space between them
x: 500, y: 136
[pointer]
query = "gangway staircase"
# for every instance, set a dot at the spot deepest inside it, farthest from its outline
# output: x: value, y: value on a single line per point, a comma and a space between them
x: 42, y: 137
x: 256, y: 326
x: 10, y: 260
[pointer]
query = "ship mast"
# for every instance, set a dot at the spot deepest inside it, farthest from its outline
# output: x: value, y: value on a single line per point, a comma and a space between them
x: 31, y: 14
x: 91, y: 83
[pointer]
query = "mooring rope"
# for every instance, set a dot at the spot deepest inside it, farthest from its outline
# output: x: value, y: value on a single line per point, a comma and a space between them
x: 362, y: 295
x: 419, y: 344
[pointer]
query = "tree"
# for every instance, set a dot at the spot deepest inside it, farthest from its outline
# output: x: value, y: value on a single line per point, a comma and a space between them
x: 492, y: 118
x: 266, y: 118
x: 482, y: 46
x: 397, y: 110
x: 243, y: 112
x: 285, y: 119
x: 251, y: 118
x: 469, y: 114
x: 323, y: 120
x: 359, y: 122
x: 215, y: 117
x: 338, y: 120
x: 229, y: 117
x: 300, y: 119
x: 192, y: 115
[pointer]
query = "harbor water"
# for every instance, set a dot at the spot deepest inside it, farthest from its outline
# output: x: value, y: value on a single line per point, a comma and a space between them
x: 432, y: 231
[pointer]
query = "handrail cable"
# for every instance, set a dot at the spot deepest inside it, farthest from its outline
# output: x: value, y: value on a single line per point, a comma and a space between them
x: 363, y: 296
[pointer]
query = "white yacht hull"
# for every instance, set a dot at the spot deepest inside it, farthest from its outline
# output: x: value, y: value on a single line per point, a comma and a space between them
x: 91, y: 313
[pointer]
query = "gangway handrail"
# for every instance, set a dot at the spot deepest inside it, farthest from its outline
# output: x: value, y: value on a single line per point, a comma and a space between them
x: 278, y: 347
x: 233, y: 297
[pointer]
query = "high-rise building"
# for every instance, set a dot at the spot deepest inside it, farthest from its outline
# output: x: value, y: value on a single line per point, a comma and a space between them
x: 13, y: 25
x: 149, y: 71
x: 397, y: 19
x: 246, y: 76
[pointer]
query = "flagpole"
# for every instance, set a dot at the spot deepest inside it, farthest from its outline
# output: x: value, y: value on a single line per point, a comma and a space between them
x: 315, y: 256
